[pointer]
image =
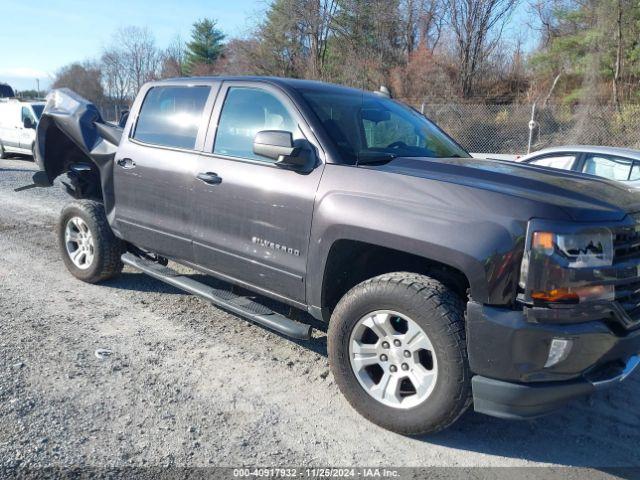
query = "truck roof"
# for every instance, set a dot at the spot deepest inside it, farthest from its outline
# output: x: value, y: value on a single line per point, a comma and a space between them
x: 286, y: 83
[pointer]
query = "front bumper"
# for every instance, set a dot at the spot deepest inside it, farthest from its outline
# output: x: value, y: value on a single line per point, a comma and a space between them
x: 518, y: 401
x: 508, y: 352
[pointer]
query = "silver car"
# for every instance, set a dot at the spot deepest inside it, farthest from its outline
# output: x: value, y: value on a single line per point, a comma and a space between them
x: 620, y: 164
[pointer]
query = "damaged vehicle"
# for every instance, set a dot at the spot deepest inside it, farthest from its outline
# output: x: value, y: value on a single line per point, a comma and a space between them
x: 446, y: 281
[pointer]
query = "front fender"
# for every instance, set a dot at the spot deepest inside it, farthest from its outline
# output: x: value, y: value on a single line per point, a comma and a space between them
x: 429, y: 219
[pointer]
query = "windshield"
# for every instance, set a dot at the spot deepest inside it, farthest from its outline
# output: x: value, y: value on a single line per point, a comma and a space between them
x: 37, y: 109
x: 6, y: 91
x: 371, y: 127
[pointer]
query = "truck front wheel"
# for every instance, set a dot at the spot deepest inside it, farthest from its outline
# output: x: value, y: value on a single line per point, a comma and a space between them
x: 90, y: 250
x: 397, y: 350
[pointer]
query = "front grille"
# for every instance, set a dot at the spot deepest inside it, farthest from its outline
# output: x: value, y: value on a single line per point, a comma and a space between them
x: 627, y: 249
x: 628, y: 296
x: 626, y: 244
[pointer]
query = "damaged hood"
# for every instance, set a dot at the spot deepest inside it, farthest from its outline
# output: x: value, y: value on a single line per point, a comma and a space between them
x: 71, y: 120
x: 71, y: 133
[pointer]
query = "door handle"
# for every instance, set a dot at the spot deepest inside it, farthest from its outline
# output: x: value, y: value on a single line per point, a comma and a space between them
x: 210, y: 178
x: 126, y: 163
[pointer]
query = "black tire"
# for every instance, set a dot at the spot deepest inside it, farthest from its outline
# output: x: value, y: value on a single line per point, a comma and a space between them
x: 107, y: 249
x: 3, y: 152
x: 439, y: 312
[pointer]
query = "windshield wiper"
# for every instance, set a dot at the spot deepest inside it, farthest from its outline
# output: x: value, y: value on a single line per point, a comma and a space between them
x: 375, y: 157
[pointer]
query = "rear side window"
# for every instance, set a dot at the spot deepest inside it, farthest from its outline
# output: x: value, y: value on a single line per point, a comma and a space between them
x: 563, y: 162
x: 171, y: 116
x: 613, y: 168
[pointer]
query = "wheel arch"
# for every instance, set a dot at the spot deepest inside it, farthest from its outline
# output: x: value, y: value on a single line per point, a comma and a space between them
x: 351, y: 260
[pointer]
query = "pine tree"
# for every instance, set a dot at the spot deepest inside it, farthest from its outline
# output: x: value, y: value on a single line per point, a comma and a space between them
x: 206, y: 44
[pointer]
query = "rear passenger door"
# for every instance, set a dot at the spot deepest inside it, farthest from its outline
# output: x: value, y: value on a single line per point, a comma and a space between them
x: 154, y: 166
x: 252, y: 225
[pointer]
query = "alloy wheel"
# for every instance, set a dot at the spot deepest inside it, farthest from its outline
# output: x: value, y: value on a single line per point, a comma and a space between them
x: 393, y: 359
x: 79, y: 243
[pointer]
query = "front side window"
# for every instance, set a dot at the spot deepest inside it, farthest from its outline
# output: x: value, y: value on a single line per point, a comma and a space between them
x: 171, y: 116
x: 27, y: 113
x: 247, y: 111
x: 367, y: 126
x: 613, y: 168
x: 563, y: 162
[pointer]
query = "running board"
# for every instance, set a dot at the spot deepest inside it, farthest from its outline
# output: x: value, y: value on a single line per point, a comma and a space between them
x: 224, y: 298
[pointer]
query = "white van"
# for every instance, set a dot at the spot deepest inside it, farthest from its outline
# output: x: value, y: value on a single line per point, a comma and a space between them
x: 18, y: 121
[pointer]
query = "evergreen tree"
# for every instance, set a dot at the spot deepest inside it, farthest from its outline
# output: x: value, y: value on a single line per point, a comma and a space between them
x: 206, y: 44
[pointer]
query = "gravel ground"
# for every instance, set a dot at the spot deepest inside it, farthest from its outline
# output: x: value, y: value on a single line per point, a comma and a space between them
x: 188, y: 384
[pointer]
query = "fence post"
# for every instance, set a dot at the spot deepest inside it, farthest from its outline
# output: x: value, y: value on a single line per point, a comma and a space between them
x: 532, y: 124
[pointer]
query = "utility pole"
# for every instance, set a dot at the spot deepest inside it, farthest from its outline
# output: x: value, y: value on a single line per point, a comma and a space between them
x: 38, y: 87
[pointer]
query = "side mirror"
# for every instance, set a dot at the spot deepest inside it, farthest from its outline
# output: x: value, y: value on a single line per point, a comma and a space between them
x: 278, y: 145
x: 273, y: 144
x: 28, y: 123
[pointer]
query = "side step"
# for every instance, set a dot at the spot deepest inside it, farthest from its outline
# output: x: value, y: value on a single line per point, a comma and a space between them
x: 223, y: 298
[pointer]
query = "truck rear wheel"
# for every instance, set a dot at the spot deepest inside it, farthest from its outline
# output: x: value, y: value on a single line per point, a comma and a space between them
x: 397, y: 350
x: 90, y: 250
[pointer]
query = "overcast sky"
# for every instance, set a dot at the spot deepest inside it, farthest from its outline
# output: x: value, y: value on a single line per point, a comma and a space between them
x: 37, y: 37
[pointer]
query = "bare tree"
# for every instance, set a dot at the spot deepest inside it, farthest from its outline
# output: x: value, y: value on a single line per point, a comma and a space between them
x: 316, y: 18
x: 421, y: 23
x: 300, y: 31
x: 173, y: 59
x: 369, y: 39
x: 115, y: 76
x: 141, y: 55
x: 477, y: 28
x: 618, y: 62
x: 83, y: 78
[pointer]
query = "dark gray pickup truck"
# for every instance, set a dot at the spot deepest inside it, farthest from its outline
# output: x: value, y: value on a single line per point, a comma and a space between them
x: 445, y: 280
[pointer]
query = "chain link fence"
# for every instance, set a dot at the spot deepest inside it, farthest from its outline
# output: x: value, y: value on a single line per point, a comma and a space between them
x: 505, y: 128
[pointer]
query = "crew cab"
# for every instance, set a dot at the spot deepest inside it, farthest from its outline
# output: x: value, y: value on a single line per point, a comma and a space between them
x: 445, y: 280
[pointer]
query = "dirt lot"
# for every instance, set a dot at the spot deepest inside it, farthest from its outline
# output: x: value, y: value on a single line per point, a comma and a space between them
x: 189, y: 384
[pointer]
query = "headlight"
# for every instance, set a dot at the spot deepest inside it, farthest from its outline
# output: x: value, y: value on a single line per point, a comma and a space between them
x: 562, y: 267
x: 589, y: 249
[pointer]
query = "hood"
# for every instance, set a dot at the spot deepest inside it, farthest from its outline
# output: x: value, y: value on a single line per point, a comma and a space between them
x: 581, y: 197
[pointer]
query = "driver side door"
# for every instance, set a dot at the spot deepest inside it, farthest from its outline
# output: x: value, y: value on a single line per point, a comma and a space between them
x: 251, y: 225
